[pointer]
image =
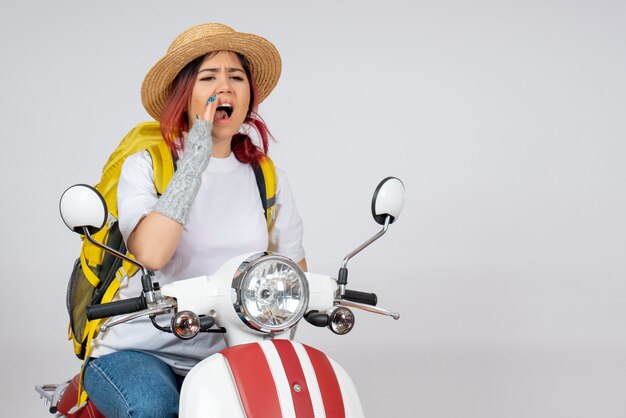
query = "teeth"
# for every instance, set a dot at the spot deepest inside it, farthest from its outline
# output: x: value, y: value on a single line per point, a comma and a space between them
x: 226, y: 108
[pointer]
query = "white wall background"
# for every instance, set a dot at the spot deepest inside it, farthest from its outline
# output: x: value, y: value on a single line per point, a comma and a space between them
x: 506, y: 121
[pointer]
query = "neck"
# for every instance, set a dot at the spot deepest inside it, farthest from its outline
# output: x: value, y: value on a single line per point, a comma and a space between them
x: 221, y: 148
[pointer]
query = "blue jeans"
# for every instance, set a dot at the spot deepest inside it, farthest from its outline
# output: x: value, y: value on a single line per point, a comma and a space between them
x: 133, y: 384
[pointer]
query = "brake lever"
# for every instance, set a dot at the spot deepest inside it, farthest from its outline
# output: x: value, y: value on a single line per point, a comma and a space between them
x: 161, y: 307
x: 368, y: 308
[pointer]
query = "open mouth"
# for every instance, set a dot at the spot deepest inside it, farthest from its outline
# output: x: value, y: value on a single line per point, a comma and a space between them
x: 223, y: 111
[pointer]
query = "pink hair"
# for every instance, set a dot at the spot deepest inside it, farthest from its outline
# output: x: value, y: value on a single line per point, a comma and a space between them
x: 174, y: 118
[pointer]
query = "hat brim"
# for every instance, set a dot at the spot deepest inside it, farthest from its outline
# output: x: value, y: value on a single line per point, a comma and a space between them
x: 264, y: 59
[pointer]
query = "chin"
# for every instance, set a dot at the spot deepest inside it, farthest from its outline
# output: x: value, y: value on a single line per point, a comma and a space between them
x: 225, y: 131
x: 221, y: 135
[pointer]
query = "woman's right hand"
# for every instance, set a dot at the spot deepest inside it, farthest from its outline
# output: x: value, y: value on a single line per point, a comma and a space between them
x: 210, y: 108
x: 207, y: 115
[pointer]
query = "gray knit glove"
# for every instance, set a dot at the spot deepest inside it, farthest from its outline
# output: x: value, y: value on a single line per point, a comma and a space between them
x: 180, y: 193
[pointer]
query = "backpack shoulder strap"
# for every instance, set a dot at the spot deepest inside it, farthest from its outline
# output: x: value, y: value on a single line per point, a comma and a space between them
x: 266, y: 179
x: 163, y: 165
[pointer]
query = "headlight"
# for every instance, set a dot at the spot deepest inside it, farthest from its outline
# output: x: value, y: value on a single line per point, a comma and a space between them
x: 270, y: 293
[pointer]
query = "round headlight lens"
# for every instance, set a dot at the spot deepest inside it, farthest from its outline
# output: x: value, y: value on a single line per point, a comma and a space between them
x: 271, y: 293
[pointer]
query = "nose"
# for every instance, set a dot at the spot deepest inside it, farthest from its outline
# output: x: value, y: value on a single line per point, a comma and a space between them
x: 223, y: 86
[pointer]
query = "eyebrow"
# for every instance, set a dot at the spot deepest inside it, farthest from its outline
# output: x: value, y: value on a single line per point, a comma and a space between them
x: 228, y: 70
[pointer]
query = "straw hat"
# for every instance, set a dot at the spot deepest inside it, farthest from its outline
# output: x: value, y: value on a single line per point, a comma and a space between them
x: 199, y: 40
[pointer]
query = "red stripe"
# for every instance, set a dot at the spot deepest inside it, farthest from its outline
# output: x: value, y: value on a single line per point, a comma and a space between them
x: 295, y: 376
x: 254, y: 380
x: 327, y: 380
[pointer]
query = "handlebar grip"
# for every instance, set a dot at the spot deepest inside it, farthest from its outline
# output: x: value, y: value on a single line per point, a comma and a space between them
x: 118, y: 307
x: 361, y: 297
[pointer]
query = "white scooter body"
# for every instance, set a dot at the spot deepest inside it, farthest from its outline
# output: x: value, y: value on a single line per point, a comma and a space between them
x: 263, y: 373
x: 256, y: 375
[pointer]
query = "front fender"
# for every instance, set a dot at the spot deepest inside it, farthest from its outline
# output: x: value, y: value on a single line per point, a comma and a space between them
x: 278, y: 378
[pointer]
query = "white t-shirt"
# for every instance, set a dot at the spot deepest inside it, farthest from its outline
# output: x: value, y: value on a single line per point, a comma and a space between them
x: 226, y: 219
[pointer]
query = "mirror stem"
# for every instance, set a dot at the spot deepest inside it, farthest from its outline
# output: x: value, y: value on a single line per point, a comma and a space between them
x: 343, y: 271
x: 146, y: 280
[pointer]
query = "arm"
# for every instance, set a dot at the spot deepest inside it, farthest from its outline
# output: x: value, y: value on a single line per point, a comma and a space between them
x: 154, y: 240
x: 155, y: 237
x: 302, y: 264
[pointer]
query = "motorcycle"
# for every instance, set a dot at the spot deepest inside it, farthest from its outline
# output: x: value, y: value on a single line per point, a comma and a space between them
x: 256, y: 300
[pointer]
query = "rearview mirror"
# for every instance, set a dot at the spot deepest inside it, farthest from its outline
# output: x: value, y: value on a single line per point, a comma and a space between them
x: 82, y: 206
x: 388, y: 200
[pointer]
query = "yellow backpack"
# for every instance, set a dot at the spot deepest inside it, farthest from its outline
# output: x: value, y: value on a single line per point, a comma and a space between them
x: 97, y: 275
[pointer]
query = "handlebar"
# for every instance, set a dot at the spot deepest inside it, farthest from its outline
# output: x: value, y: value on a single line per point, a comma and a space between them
x: 118, y: 307
x: 360, y: 297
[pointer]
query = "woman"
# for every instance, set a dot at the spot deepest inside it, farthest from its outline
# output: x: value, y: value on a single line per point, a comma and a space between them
x: 205, y: 92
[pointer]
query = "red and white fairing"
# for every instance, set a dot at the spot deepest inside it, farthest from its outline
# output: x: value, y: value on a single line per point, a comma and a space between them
x: 274, y: 378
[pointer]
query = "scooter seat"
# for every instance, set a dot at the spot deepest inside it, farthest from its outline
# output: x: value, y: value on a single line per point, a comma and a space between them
x: 68, y: 400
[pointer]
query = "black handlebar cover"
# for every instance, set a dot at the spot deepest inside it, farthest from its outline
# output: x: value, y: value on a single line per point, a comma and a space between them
x: 361, y: 297
x: 118, y: 307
